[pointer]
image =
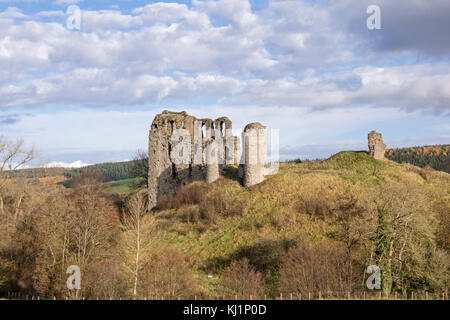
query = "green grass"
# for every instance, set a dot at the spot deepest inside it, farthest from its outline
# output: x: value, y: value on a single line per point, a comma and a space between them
x: 275, y: 208
x: 121, y: 186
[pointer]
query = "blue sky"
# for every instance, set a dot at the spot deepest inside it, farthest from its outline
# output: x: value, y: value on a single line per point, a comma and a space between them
x: 311, y: 69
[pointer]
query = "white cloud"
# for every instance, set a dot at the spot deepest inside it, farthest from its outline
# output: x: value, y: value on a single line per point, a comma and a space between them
x: 287, y: 54
x: 298, y: 65
x: 66, y: 2
x: 12, y: 13
x: 93, y: 135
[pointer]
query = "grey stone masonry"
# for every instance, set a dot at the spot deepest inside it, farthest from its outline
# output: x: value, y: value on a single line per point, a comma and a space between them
x: 183, y: 149
x: 254, y: 140
x: 377, y: 148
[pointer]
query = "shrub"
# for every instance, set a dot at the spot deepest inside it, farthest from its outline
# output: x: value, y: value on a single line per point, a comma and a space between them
x: 310, y: 269
x: 242, y: 280
x: 167, y: 274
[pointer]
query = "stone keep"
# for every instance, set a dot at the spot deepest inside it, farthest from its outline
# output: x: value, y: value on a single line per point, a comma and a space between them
x: 254, y: 140
x: 167, y: 141
x: 212, y: 160
x: 377, y: 148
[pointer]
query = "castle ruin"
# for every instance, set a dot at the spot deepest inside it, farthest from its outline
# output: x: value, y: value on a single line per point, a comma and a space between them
x: 183, y: 149
x: 377, y: 148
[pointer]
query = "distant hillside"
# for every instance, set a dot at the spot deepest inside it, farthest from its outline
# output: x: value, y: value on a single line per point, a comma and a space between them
x: 36, y: 173
x: 437, y: 157
x: 112, y: 170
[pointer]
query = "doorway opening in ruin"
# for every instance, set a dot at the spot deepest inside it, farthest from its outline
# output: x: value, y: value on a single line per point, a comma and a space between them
x: 174, y: 171
x: 172, y: 168
x: 222, y: 128
x: 171, y: 126
x: 203, y: 130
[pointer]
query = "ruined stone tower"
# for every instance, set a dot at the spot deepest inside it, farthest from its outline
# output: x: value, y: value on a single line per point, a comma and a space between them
x: 377, y: 148
x: 212, y: 160
x: 255, y: 151
x: 183, y: 149
x: 164, y: 175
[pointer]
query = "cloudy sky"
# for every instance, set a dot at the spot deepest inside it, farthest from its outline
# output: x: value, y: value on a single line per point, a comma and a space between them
x: 311, y: 69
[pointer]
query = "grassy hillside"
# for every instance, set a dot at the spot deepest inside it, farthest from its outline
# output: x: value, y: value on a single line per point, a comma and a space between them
x: 122, y: 187
x: 214, y: 225
x: 311, y: 231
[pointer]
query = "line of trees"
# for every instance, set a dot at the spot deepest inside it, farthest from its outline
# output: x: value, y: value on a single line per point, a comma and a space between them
x: 437, y: 157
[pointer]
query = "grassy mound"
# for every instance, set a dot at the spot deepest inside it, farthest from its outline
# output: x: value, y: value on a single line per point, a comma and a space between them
x: 222, y: 222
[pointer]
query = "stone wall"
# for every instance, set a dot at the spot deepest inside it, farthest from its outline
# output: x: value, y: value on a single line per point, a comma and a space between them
x: 255, y: 152
x: 377, y: 148
x: 175, y: 160
x: 209, y: 148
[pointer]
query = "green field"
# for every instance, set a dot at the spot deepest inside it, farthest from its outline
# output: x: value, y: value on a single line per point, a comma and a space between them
x: 121, y: 186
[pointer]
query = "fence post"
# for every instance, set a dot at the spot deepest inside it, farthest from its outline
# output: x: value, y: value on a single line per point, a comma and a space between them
x: 320, y: 295
x: 291, y: 296
x: 309, y: 295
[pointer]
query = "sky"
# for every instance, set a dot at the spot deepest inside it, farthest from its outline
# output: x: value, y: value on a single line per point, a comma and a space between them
x: 311, y: 69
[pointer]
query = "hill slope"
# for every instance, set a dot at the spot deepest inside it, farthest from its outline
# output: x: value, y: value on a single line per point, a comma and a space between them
x: 336, y: 202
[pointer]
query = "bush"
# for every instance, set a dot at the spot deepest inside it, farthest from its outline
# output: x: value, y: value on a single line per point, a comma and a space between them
x: 242, y: 280
x: 167, y: 274
x: 310, y: 269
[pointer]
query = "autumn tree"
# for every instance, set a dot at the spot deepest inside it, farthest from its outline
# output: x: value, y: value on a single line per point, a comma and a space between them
x: 311, y: 269
x: 167, y: 274
x: 14, y: 154
x: 353, y: 229
x: 404, y: 239
x: 140, y: 226
x: 242, y: 280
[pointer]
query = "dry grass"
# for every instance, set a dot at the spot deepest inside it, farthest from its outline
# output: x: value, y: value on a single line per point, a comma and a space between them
x: 211, y: 223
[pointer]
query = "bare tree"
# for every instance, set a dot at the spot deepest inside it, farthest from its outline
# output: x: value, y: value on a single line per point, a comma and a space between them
x: 167, y: 273
x: 133, y: 219
x: 404, y: 239
x: 243, y: 280
x: 314, y: 269
x: 14, y: 154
